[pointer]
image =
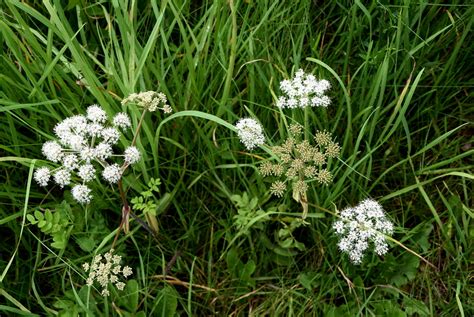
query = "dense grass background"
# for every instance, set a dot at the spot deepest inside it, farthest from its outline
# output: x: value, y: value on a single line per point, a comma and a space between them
x: 402, y: 79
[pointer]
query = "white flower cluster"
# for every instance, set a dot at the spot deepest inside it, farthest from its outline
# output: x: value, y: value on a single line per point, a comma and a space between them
x: 361, y: 224
x: 83, y: 140
x: 250, y: 133
x: 302, y: 91
x: 106, y: 269
x: 149, y: 100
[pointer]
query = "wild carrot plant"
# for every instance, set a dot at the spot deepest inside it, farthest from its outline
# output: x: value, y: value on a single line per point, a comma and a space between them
x: 235, y: 204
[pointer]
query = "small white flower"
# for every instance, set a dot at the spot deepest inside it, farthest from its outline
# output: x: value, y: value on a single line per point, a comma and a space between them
x: 127, y: 271
x: 70, y: 162
x: 87, y: 154
x: 63, y: 130
x: 110, y: 135
x: 250, y: 133
x: 360, y: 225
x: 167, y: 109
x: 117, y: 269
x: 62, y: 177
x: 323, y: 101
x: 86, y: 172
x: 52, y: 151
x: 75, y: 141
x: 281, y: 102
x: 113, y: 279
x: 291, y: 103
x: 103, y: 151
x: 42, y: 176
x: 96, y: 114
x: 77, y: 124
x: 81, y: 193
x: 112, y: 173
x: 116, y: 260
x: 120, y: 286
x: 132, y: 155
x: 94, y: 129
x: 122, y: 120
x: 108, y: 255
x: 339, y: 226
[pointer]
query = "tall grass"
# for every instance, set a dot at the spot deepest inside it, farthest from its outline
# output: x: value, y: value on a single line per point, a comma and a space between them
x: 401, y: 110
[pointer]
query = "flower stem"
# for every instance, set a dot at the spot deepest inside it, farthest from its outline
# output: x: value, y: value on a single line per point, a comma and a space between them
x: 125, y: 213
x: 125, y: 206
x: 138, y: 128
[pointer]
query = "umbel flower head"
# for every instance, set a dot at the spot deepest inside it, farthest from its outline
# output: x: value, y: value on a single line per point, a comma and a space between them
x: 84, y: 145
x: 360, y: 226
x: 250, y: 133
x: 106, y: 270
x: 149, y: 100
x: 300, y: 160
x: 302, y: 91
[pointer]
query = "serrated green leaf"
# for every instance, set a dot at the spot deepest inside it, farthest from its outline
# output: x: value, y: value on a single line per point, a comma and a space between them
x: 245, y: 199
x: 64, y: 208
x: 31, y: 219
x: 235, y: 198
x: 39, y: 215
x: 60, y: 236
x: 253, y: 203
x: 47, y: 227
x: 57, y: 217
x: 59, y: 245
x: 48, y: 215
x: 56, y: 228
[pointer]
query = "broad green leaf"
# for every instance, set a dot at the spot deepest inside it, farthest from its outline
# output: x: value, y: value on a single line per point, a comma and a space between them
x: 166, y: 302
x: 131, y: 289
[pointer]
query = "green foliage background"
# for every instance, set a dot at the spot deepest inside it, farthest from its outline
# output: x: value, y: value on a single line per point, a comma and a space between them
x: 402, y: 78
